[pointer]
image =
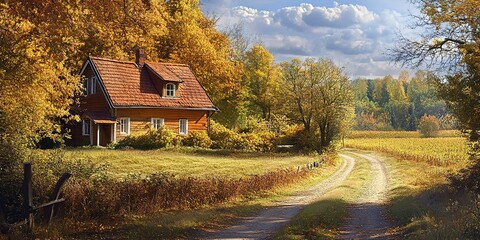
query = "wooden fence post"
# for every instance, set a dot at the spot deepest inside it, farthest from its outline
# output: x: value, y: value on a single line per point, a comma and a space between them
x: 27, y: 194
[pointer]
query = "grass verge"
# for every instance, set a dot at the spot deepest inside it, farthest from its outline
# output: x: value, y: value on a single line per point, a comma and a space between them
x: 424, y: 206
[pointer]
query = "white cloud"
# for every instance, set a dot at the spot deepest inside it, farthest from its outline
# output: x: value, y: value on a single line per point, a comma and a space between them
x: 346, y: 33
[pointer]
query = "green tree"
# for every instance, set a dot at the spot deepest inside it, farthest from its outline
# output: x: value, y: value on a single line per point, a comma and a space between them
x: 320, y: 96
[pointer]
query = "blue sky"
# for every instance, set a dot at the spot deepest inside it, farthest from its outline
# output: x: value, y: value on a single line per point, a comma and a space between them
x: 355, y: 34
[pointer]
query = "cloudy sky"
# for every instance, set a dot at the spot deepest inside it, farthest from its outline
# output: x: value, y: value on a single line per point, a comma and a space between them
x: 354, y: 33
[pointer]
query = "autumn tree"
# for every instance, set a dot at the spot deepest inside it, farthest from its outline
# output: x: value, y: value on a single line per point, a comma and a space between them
x: 450, y: 42
x: 261, y: 80
x: 320, y: 96
x: 429, y: 126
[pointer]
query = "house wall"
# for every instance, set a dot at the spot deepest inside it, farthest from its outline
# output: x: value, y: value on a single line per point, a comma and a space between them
x: 90, y: 103
x: 95, y: 102
x: 77, y: 139
x: 140, y: 119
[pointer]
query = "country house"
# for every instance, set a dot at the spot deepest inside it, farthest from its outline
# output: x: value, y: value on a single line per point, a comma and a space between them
x: 122, y: 98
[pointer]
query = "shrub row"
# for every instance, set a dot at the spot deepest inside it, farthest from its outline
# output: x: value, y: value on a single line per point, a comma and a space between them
x: 87, y: 199
x: 221, y: 138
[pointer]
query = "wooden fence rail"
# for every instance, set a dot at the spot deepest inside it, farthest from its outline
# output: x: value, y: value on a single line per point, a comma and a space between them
x: 28, y: 207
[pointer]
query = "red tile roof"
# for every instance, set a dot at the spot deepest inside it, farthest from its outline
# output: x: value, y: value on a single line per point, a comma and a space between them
x: 130, y: 86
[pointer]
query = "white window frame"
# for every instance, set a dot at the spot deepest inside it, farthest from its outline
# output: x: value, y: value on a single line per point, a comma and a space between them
x: 86, y: 86
x: 155, y: 123
x: 180, y: 132
x: 93, y: 85
x: 85, y: 127
x: 172, y: 90
x: 120, y: 120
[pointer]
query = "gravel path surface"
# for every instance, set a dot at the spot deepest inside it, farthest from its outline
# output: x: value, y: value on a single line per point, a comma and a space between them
x: 367, y: 219
x: 270, y: 220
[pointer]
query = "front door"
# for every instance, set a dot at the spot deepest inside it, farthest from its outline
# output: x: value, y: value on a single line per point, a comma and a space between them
x: 105, y: 134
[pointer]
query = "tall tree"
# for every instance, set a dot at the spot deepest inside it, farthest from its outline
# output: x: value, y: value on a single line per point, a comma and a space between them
x: 320, y: 95
x: 261, y: 79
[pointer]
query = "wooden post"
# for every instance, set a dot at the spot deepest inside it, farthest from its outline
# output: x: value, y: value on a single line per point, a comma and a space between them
x: 115, y: 132
x: 27, y: 194
x: 98, y: 134
x: 49, y: 211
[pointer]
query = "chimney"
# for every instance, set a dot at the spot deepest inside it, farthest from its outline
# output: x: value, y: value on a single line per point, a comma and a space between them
x: 140, y: 57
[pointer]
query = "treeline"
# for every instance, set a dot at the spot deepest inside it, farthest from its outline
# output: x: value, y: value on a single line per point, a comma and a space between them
x: 398, y: 104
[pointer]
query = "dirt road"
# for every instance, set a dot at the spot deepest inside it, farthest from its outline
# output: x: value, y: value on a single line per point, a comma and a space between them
x: 367, y: 216
x: 267, y: 222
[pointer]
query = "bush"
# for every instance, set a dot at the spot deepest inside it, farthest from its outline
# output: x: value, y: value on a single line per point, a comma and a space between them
x: 197, y: 139
x: 429, y: 126
x: 153, y: 139
x: 224, y: 138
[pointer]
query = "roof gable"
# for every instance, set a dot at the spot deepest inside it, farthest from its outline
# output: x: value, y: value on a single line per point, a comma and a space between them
x: 128, y: 85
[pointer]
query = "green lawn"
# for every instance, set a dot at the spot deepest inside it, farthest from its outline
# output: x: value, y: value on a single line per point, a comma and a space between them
x: 186, y: 162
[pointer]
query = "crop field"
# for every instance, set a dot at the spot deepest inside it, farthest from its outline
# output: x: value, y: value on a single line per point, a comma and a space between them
x: 440, y: 151
x: 186, y: 163
x: 399, y: 134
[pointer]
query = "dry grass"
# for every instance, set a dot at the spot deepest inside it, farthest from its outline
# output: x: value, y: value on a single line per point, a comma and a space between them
x: 423, y: 204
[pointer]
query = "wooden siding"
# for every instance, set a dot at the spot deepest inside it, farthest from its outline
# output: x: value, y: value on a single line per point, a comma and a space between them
x: 77, y: 138
x: 95, y: 102
x: 140, y: 119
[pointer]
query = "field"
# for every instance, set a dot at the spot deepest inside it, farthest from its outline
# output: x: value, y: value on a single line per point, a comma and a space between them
x: 399, y: 134
x: 189, y: 163
x: 436, y: 151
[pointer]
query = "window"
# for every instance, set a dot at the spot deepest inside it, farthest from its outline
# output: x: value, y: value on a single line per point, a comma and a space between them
x: 93, y: 86
x: 124, y: 126
x: 85, y: 127
x: 86, y: 84
x: 157, y: 123
x: 170, y: 90
x: 183, y: 126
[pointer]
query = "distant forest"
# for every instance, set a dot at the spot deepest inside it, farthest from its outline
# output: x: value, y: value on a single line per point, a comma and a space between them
x: 398, y: 104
